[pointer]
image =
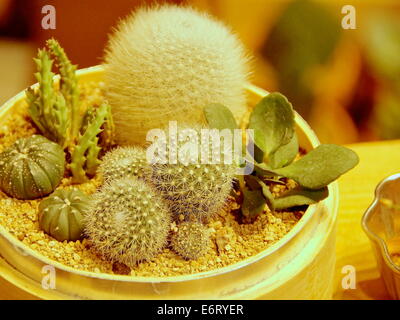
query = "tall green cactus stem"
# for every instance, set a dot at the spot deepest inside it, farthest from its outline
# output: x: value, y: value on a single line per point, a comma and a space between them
x: 127, y: 221
x: 61, y: 214
x: 47, y: 107
x: 85, y: 157
x: 68, y: 86
x: 108, y: 133
x: 106, y: 136
x: 31, y: 168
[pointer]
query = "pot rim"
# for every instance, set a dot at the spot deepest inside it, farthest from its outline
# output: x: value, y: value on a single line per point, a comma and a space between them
x: 310, y: 211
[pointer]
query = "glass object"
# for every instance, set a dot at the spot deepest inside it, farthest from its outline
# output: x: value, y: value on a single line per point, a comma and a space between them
x: 381, y: 222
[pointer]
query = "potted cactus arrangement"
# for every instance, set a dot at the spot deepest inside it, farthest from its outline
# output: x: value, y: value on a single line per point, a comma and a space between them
x: 83, y: 189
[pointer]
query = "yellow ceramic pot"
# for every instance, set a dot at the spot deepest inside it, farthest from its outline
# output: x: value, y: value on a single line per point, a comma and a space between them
x: 299, y: 266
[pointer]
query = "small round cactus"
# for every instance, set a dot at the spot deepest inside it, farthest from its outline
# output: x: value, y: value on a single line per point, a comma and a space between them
x: 31, y: 168
x: 127, y: 222
x: 167, y: 62
x: 194, y: 187
x: 124, y: 162
x: 191, y: 241
x: 197, y: 190
x: 61, y: 214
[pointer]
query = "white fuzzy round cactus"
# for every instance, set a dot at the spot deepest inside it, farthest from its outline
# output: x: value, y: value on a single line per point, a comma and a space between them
x: 167, y: 63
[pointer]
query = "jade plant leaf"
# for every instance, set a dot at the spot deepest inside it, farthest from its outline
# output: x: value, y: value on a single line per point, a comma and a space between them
x: 267, y: 194
x: 265, y: 170
x: 258, y: 154
x: 273, y: 122
x: 320, y: 166
x: 253, y: 202
x: 300, y: 197
x: 284, y: 155
x: 256, y: 183
x: 219, y: 117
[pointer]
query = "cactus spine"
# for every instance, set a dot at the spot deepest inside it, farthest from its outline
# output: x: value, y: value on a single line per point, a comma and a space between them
x: 191, y: 241
x: 193, y: 188
x: 124, y: 162
x: 160, y: 66
x: 127, y: 222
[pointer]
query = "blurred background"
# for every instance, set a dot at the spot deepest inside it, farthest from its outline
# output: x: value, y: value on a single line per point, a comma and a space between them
x: 345, y: 82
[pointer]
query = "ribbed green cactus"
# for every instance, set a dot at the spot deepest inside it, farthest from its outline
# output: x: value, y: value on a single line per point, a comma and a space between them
x: 167, y: 62
x: 31, y: 168
x: 58, y: 115
x: 191, y: 241
x: 61, y: 214
x: 124, y: 162
x: 127, y: 222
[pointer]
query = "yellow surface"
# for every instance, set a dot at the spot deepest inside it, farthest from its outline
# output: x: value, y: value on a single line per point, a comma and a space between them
x: 377, y: 161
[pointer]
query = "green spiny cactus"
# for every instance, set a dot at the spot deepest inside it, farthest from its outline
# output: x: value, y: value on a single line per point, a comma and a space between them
x: 198, y: 190
x: 106, y: 136
x: 31, y: 168
x: 47, y: 107
x: 57, y: 114
x: 68, y: 85
x: 194, y: 188
x: 159, y: 66
x: 85, y: 157
x: 191, y: 241
x: 61, y: 214
x: 127, y: 222
x: 124, y: 162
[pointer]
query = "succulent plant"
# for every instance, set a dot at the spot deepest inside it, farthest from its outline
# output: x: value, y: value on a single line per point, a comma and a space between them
x: 47, y: 107
x: 276, y: 148
x: 124, y: 162
x: 57, y: 114
x: 166, y: 62
x: 31, y: 168
x: 193, y: 188
x: 68, y: 86
x: 85, y: 157
x: 191, y: 241
x: 127, y: 222
x: 61, y: 214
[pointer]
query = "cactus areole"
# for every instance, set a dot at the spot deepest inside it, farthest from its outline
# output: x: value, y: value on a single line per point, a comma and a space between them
x: 31, y: 168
